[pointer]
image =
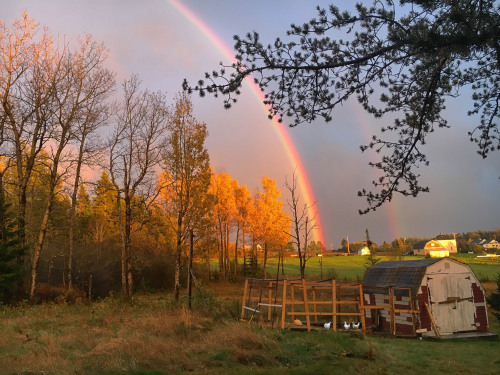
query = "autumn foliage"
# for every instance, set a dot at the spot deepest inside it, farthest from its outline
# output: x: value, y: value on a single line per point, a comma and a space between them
x: 106, y: 193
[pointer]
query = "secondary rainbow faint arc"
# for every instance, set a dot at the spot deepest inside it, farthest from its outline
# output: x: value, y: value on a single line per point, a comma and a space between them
x: 290, y: 149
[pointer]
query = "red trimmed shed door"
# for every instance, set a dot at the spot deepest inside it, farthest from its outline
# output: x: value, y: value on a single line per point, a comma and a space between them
x: 452, y: 302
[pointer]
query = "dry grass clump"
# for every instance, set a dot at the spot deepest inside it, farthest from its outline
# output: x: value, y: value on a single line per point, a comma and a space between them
x: 149, y: 333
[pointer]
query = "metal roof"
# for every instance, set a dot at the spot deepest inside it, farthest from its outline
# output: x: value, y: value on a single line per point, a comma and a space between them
x: 402, y: 273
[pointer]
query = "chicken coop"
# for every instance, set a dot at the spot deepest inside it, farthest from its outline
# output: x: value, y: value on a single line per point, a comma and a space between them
x: 433, y: 297
x: 315, y: 304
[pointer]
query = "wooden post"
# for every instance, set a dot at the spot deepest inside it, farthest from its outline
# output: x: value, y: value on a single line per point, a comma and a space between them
x: 269, y: 300
x: 413, y: 315
x: 314, y: 305
x: 283, y: 308
x: 434, y: 326
x: 293, y: 301
x: 392, y: 314
x: 243, y: 305
x: 190, y: 266
x: 362, y: 309
x: 306, y: 306
x: 334, y: 305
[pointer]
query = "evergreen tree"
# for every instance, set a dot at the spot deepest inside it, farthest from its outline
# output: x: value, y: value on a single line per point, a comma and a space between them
x: 11, y: 249
x: 370, y: 260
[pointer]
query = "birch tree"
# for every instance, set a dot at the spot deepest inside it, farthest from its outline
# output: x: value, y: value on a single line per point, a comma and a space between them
x: 134, y: 152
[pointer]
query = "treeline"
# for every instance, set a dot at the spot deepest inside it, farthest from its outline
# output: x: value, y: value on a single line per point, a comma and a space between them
x: 155, y: 192
x: 402, y: 244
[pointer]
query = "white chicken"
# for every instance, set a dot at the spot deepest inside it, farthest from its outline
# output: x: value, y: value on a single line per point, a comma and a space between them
x: 327, y: 325
x: 346, y: 326
x: 356, y: 325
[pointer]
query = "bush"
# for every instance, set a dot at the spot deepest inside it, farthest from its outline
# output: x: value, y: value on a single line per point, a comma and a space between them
x: 494, y: 299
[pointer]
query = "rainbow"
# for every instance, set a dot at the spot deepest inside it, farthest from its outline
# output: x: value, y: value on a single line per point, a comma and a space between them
x: 306, y: 189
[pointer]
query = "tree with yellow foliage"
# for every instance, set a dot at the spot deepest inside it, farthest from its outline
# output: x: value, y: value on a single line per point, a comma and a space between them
x: 223, y: 215
x: 269, y: 222
x: 244, y: 206
x: 186, y: 176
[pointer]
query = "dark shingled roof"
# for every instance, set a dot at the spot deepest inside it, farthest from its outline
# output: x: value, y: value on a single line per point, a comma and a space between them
x: 400, y: 273
x: 420, y: 244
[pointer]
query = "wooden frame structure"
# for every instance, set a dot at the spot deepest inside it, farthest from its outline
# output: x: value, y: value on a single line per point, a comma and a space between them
x: 395, y: 307
x: 273, y: 299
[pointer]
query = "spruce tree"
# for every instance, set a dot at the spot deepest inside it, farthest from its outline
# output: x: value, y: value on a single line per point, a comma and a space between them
x: 11, y: 249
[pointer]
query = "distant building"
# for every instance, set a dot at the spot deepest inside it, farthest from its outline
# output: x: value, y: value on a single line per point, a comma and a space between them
x: 438, y: 247
x: 426, y: 247
x: 486, y: 245
x: 493, y: 244
x: 448, y: 242
x: 445, y: 287
x: 364, y: 251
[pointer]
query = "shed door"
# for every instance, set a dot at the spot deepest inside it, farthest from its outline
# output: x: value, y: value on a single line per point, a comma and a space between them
x: 452, y: 302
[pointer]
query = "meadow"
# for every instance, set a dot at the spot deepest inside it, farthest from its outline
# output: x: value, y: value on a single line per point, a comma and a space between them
x: 352, y: 268
x: 151, y: 334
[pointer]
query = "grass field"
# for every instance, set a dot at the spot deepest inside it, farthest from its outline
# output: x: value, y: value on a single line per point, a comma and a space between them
x: 154, y: 335
x: 352, y: 268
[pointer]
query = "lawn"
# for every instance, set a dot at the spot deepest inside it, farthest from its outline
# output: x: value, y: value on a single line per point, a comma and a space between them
x: 153, y: 335
x: 352, y: 268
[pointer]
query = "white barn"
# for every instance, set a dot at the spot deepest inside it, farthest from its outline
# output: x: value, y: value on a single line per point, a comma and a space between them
x: 450, y: 289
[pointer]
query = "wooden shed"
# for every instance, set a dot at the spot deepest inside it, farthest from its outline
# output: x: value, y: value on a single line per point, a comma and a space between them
x: 442, y: 296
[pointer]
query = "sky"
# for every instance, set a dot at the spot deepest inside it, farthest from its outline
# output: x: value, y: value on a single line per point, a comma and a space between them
x: 165, y: 41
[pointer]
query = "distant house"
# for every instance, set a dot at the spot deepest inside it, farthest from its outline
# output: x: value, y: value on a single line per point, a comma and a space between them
x: 364, y: 251
x: 442, y: 245
x: 428, y: 247
x: 493, y: 244
x: 486, y: 245
x: 454, y: 297
x: 448, y: 242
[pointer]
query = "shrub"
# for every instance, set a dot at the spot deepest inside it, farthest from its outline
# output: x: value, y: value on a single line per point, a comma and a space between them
x: 494, y: 299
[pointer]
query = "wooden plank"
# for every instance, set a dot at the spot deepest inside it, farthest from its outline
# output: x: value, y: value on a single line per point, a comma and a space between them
x: 348, y: 302
x: 334, y: 305
x: 249, y: 308
x: 269, y: 304
x: 244, y: 299
x: 293, y: 300
x: 283, y: 310
x: 362, y: 309
x: 391, y: 312
x: 270, y: 299
x: 306, y: 306
x: 433, y: 322
x: 303, y: 313
x: 315, y: 307
x: 406, y: 311
x: 377, y: 307
x: 413, y: 314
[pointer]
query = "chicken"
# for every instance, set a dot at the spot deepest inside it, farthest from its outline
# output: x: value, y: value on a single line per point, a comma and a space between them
x: 356, y: 325
x: 327, y: 325
x: 346, y: 326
